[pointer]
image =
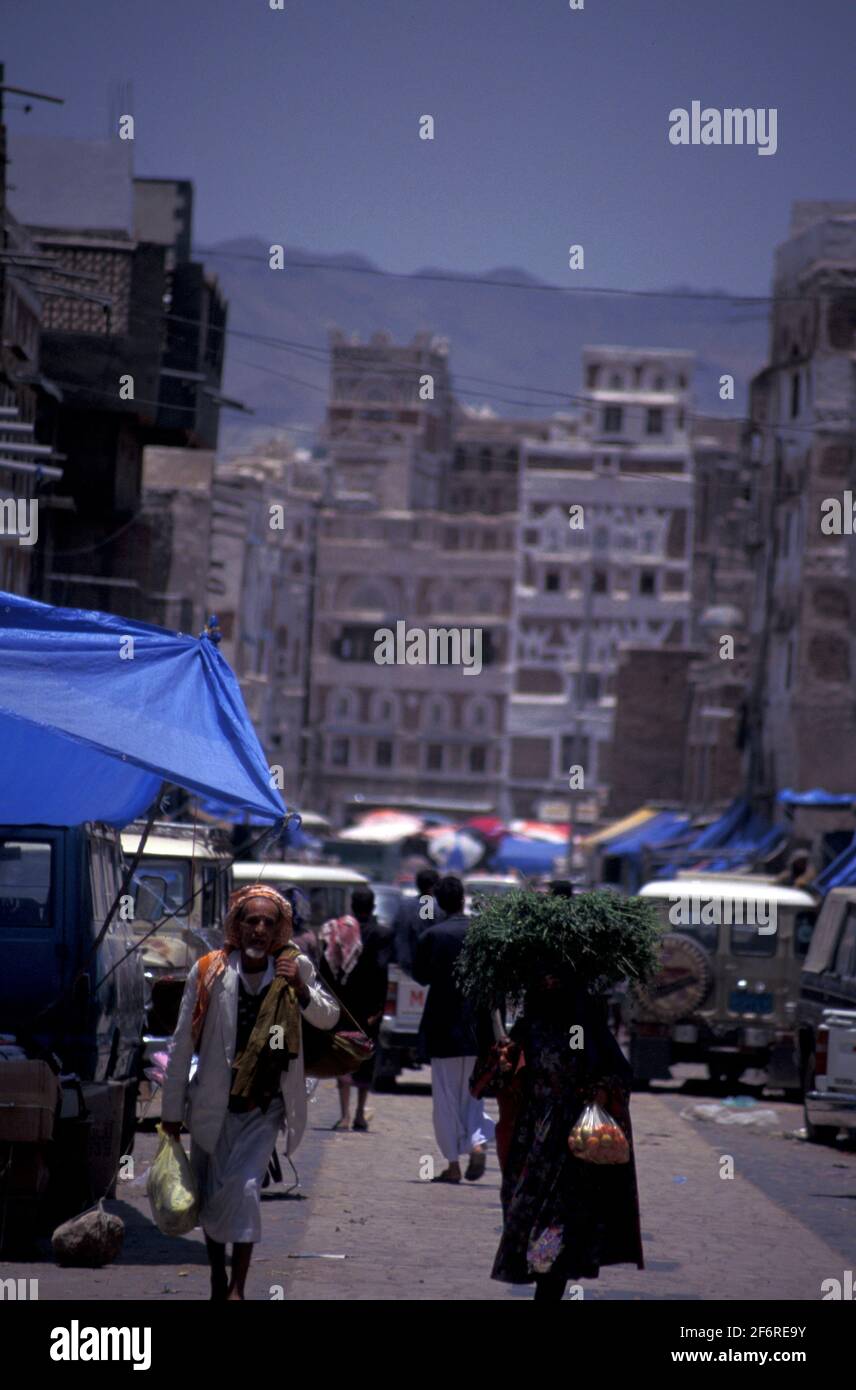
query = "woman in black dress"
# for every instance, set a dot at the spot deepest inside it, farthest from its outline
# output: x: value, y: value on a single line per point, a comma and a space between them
x: 564, y: 1217
x: 355, y: 962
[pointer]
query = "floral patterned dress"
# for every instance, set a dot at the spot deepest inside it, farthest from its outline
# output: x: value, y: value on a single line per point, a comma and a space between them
x: 561, y: 1215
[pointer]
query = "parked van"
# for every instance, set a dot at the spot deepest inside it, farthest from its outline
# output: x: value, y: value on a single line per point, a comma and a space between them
x: 326, y: 887
x: 726, y: 993
x: 183, y: 877
x: 827, y: 1011
x: 71, y: 1015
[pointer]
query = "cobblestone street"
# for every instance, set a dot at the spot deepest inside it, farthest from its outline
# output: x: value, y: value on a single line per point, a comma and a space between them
x: 774, y: 1236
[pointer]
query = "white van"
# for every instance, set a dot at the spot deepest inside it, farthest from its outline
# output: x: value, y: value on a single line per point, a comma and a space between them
x: 327, y: 888
x: 727, y: 990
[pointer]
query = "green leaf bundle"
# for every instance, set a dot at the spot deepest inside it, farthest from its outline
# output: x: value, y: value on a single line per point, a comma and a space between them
x: 516, y: 938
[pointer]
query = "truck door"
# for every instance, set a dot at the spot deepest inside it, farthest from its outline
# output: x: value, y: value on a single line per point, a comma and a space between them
x: 119, y: 999
x: 33, y: 949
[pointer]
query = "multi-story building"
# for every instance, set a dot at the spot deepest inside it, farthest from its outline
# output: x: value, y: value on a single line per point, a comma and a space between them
x: 25, y: 464
x: 723, y: 584
x: 389, y: 420
x: 419, y: 735
x: 802, y: 716
x: 132, y: 335
x: 604, y: 559
x: 484, y: 470
x: 261, y: 588
x: 172, y: 536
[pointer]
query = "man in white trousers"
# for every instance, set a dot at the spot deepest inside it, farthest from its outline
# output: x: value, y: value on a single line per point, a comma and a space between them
x: 453, y: 1035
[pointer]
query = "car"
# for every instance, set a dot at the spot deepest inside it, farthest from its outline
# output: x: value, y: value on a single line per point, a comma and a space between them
x: 405, y: 1000
x: 487, y: 886
x: 827, y: 1003
x: 388, y: 898
x: 726, y: 994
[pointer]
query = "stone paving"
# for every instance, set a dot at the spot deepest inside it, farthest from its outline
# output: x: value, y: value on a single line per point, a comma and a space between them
x: 362, y: 1196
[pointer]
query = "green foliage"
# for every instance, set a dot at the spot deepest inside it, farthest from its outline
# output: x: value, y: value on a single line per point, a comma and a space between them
x: 518, y: 937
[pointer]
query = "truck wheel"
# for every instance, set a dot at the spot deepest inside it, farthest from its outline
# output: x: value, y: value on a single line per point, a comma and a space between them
x: 129, y: 1117
x: 726, y: 1078
x: 815, y: 1134
x: 683, y: 980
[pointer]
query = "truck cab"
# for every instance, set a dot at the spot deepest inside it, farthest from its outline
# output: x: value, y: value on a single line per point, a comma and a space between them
x: 71, y: 1011
x: 181, y: 887
x: 827, y: 1020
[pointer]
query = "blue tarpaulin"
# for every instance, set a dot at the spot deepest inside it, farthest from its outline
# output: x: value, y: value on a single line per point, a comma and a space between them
x: 737, y: 838
x: 667, y: 825
x: 97, y: 711
x: 528, y: 856
x: 658, y: 830
x: 841, y: 873
x: 816, y: 797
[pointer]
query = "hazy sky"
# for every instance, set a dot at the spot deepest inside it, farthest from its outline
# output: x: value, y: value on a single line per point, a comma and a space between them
x: 551, y: 125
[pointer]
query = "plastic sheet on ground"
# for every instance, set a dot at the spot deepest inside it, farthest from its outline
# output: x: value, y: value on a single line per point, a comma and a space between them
x: 748, y: 1117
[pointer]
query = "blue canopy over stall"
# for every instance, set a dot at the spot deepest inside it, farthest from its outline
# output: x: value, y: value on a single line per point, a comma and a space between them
x: 97, y: 711
x: 527, y: 856
x: 738, y: 837
x: 817, y: 797
x: 633, y: 845
x: 841, y: 873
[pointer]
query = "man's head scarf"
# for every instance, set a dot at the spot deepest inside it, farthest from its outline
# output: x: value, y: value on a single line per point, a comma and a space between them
x: 235, y: 915
x: 213, y: 965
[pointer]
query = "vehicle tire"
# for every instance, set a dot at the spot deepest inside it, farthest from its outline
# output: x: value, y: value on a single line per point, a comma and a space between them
x: 726, y: 1078
x: 815, y: 1134
x: 682, y: 982
x: 129, y: 1118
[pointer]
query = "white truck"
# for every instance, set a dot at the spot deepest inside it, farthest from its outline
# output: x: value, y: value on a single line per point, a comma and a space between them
x: 830, y: 1105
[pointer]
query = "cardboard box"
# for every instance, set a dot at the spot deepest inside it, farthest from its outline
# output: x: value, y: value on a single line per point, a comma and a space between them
x: 28, y: 1097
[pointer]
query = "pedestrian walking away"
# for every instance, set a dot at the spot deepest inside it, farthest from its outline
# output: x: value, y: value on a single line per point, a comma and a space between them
x: 415, y: 916
x: 453, y: 1033
x: 563, y: 1218
x: 245, y: 1090
x: 355, y: 962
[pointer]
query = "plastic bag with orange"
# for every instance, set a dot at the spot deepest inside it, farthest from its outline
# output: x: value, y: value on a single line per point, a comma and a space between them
x: 597, y: 1138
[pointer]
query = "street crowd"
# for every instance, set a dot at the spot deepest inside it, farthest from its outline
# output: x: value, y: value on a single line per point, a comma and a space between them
x: 562, y: 1218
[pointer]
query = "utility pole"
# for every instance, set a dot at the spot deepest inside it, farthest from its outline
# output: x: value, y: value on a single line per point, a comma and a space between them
x: 581, y: 703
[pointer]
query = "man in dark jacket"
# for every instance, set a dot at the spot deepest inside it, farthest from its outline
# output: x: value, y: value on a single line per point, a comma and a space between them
x: 415, y: 916
x: 453, y: 1034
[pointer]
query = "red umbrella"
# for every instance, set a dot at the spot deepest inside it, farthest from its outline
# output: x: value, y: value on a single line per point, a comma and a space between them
x: 490, y: 826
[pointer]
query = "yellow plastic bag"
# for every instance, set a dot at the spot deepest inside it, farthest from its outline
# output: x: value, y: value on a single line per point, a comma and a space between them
x: 171, y: 1188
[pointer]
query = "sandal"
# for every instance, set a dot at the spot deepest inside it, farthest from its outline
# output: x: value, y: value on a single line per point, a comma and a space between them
x: 445, y: 1177
x: 476, y: 1165
x: 360, y: 1124
x: 341, y: 1124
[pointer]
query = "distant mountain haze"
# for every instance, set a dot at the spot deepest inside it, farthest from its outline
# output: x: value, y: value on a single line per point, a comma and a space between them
x: 523, y: 335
